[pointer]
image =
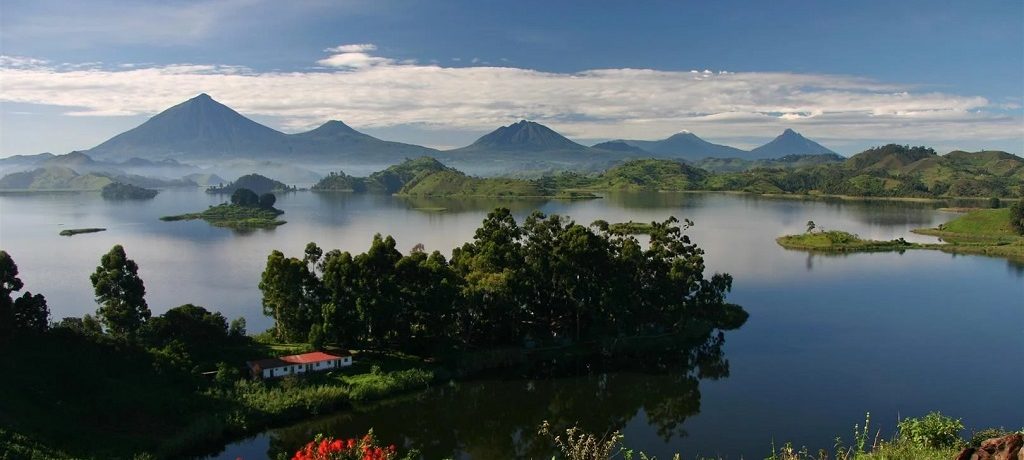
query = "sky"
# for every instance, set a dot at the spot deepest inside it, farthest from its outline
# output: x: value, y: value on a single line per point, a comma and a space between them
x: 850, y: 75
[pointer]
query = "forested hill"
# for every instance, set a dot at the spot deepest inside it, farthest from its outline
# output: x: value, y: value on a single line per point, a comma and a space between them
x: 887, y: 171
x: 255, y: 182
x: 425, y: 176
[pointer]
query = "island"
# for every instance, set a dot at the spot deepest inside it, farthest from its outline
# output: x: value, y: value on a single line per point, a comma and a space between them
x: 76, y: 231
x: 247, y: 210
x: 991, y: 232
x: 119, y: 191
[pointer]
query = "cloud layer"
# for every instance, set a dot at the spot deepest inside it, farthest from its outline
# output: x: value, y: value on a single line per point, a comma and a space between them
x: 366, y: 90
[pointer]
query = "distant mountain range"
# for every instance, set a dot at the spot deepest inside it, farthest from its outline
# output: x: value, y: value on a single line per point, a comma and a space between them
x: 687, y: 145
x: 203, y: 130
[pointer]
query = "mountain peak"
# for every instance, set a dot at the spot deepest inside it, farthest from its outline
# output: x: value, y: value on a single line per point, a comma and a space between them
x: 687, y: 145
x: 525, y: 135
x: 790, y: 143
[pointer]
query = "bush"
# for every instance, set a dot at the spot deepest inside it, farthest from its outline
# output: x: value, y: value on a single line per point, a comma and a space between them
x: 981, y: 436
x: 1017, y: 216
x: 994, y: 203
x: 933, y: 430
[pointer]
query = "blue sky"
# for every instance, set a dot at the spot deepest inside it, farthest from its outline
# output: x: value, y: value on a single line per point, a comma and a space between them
x: 849, y: 74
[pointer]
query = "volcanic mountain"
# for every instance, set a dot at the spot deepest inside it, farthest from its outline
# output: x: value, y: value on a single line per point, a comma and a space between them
x: 789, y: 143
x: 524, y: 136
x: 202, y: 128
x: 687, y: 145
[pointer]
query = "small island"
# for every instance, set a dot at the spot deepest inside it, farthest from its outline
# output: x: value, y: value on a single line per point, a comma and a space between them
x: 75, y: 231
x: 119, y: 191
x: 631, y: 228
x: 247, y: 210
x: 990, y: 232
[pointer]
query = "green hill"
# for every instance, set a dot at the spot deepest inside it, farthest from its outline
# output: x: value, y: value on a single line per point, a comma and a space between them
x: 394, y: 178
x: 53, y: 178
x: 651, y: 174
x: 255, y: 182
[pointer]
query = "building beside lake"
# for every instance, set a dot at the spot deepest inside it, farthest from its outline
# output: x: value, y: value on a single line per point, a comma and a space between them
x: 298, y: 364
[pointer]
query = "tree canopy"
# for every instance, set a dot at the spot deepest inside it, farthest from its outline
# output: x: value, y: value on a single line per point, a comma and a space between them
x: 26, y: 313
x: 121, y: 293
x: 549, y: 279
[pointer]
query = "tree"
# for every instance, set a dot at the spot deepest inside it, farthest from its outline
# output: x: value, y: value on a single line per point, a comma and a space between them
x: 237, y: 328
x: 811, y: 226
x: 26, y: 313
x: 245, y: 197
x: 121, y: 294
x: 1017, y: 216
x: 267, y: 200
x: 199, y: 330
x: 291, y: 295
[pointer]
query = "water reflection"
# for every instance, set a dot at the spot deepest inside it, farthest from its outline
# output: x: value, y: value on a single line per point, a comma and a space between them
x: 498, y: 419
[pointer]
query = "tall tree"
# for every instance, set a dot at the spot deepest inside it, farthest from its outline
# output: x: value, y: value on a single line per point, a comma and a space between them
x: 121, y: 293
x: 26, y: 313
x: 290, y: 296
x: 495, y: 283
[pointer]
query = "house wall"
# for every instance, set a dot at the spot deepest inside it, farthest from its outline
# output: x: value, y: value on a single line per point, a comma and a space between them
x: 295, y: 369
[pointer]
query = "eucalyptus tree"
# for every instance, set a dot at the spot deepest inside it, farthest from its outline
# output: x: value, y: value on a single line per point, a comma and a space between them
x: 121, y: 294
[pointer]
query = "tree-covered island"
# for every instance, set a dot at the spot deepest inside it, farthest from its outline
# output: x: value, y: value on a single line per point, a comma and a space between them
x: 245, y: 211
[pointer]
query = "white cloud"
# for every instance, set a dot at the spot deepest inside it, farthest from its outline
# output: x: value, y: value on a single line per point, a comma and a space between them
x: 353, y: 48
x: 372, y: 91
x: 353, y: 60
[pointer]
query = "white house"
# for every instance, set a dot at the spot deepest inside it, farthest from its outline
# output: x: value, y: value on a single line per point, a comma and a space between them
x: 298, y: 364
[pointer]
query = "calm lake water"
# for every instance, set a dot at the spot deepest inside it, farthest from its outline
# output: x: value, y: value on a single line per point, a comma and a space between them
x: 829, y: 337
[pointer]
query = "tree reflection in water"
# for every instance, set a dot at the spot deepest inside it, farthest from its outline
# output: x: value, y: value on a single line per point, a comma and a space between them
x: 498, y: 418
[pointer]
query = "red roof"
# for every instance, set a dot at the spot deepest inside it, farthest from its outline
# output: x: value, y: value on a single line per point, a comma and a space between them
x: 305, y: 358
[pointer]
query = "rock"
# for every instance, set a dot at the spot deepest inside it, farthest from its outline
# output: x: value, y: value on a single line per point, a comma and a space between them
x: 1005, y: 448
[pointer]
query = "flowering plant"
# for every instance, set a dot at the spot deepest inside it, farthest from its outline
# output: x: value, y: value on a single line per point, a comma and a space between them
x: 328, y: 448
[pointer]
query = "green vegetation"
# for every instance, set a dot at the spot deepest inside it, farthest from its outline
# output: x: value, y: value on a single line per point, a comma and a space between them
x: 550, y: 279
x: 253, y: 182
x: 890, y: 171
x: 427, y: 177
x: 23, y: 315
x: 840, y: 241
x: 246, y: 211
x: 726, y: 165
x: 631, y: 228
x: 983, y: 231
x: 1017, y: 217
x: 119, y: 191
x: 76, y: 231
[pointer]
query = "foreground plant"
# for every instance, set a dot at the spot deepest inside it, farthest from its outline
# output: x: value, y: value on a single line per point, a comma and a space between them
x: 328, y: 448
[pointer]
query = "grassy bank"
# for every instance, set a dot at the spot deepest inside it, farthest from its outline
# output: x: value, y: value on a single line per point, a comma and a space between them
x: 234, y: 216
x: 983, y: 232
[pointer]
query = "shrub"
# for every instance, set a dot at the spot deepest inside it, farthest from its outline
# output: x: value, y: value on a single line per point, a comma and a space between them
x: 981, y: 436
x: 933, y: 430
x: 1017, y: 216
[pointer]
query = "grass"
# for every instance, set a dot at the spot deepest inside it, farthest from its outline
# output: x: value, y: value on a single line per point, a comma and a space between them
x: 76, y: 231
x: 234, y: 216
x: 982, y: 232
x: 840, y: 241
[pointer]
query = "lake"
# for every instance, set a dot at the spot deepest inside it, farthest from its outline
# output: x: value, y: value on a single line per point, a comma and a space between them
x: 829, y: 337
